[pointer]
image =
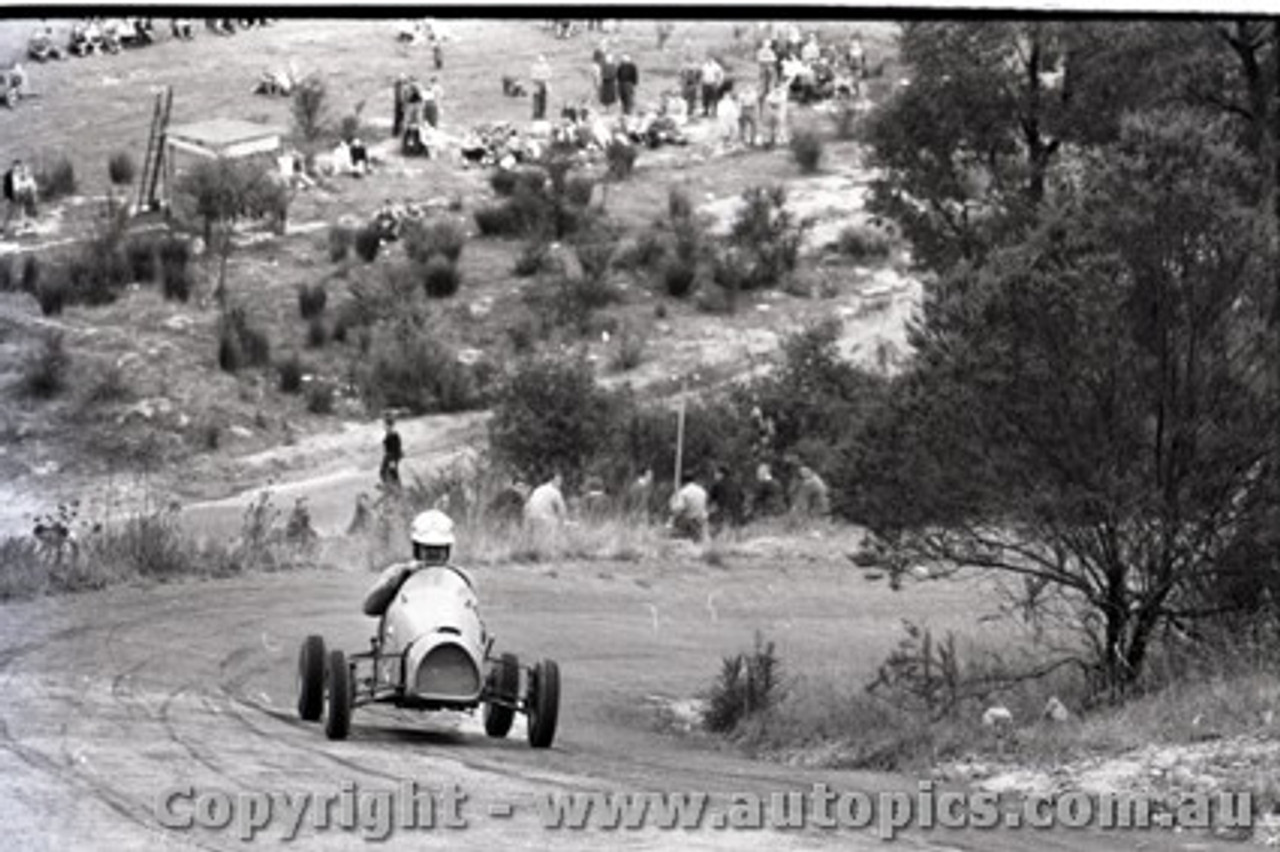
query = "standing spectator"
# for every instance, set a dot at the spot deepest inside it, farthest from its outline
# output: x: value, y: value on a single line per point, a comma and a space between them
x: 20, y: 191
x: 767, y: 61
x: 431, y: 103
x: 811, y: 52
x: 397, y: 116
x: 727, y: 501
x: 628, y: 80
x: 545, y: 511
x: 689, y: 511
x: 392, y: 454
x: 766, y: 498
x: 608, y: 82
x: 811, y: 498
x: 640, y: 496
x: 712, y: 81
x: 748, y: 116
x: 857, y: 57
x: 541, y: 77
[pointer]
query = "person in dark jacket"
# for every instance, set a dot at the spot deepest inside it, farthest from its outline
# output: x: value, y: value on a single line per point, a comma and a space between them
x: 628, y: 80
x: 392, y: 454
x: 608, y: 82
x: 728, y: 504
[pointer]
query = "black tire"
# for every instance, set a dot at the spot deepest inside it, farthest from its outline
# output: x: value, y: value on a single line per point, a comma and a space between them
x: 338, y: 723
x: 543, y: 703
x: 311, y: 679
x: 498, y: 718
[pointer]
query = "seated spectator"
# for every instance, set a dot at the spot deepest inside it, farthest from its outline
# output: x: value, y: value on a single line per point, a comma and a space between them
x: 689, y: 511
x: 86, y: 38
x: 13, y: 85
x: 113, y: 35
x: 811, y: 497
x: 277, y: 82
x: 183, y: 29
x: 359, y: 156
x: 41, y: 46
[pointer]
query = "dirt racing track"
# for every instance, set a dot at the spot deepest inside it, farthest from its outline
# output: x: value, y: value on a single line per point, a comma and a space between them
x: 113, y: 698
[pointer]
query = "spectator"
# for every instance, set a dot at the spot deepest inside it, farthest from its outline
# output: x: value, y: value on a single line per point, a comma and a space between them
x: 398, y: 95
x: 766, y: 498
x: 545, y: 511
x: 640, y: 496
x: 628, y: 81
x: 608, y: 82
x: 183, y: 28
x: 689, y: 511
x: 541, y: 77
x: 748, y: 116
x: 41, y: 46
x: 392, y: 455
x: 20, y: 191
x: 507, y: 506
x: 712, y: 80
x: 690, y: 79
x: 727, y: 501
x: 767, y: 61
x: 811, y: 52
x: 811, y: 497
x: 431, y: 103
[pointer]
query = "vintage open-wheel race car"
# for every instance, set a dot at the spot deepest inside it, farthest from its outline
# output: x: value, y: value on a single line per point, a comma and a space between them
x: 431, y: 652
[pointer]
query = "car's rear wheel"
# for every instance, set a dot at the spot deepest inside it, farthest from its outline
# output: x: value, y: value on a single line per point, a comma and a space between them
x: 338, y: 723
x: 311, y: 679
x: 543, y: 703
x: 506, y: 688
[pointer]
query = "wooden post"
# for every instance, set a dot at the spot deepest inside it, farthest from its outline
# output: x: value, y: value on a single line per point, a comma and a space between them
x: 680, y: 435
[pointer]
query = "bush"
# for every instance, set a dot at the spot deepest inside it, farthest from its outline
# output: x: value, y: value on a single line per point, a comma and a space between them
x: 317, y: 333
x: 56, y: 178
x: 367, y: 243
x: 504, y: 181
x: 141, y: 254
x: 30, y: 274
x: 649, y: 249
x: 579, y: 189
x: 312, y: 300
x: 289, y: 371
x: 535, y: 257
x: 679, y: 275
x: 630, y: 350
x: 175, y: 255
x: 320, y: 398
x: 846, y: 122
x: 552, y: 416
x: 767, y: 238
x: 444, y: 238
x: 8, y: 278
x: 340, y: 239
x: 310, y: 103
x: 508, y: 219
x: 748, y: 684
x: 44, y: 372
x: 240, y: 344
x: 679, y: 207
x: 440, y: 278
x: 523, y: 334
x: 408, y: 367
x: 52, y: 296
x: 120, y: 168
x: 864, y: 243
x: 807, y: 148
x: 108, y: 386
x: 349, y: 128
x: 621, y: 157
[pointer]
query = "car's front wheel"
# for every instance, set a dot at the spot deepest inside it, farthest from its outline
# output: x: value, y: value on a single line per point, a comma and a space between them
x: 543, y: 703
x: 499, y: 715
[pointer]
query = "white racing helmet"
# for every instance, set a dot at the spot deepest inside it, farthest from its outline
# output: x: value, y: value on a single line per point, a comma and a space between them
x: 432, y: 537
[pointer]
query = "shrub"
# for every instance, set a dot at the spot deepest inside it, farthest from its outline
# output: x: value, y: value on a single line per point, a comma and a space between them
x: 535, y: 257
x: 175, y: 256
x: 807, y: 149
x: 340, y: 238
x: 30, y: 274
x: 679, y: 207
x: 864, y: 243
x: 649, y: 249
x: 44, y: 372
x: 310, y: 103
x: 317, y: 333
x: 679, y: 275
x: 141, y: 254
x: 503, y: 181
x: 621, y: 157
x: 312, y: 300
x: 367, y: 243
x: 440, y: 278
x: 120, y: 168
x: 320, y: 398
x: 495, y: 220
x: 56, y: 178
x: 289, y: 371
x: 846, y: 122
x: 523, y: 334
x: 579, y: 189
x: 767, y: 237
x: 595, y: 252
x: 108, y: 386
x: 408, y: 367
x: 552, y: 416
x: 747, y: 684
x: 630, y: 349
x: 240, y: 344
x: 444, y: 238
x: 8, y: 278
x: 349, y: 128
x: 52, y: 296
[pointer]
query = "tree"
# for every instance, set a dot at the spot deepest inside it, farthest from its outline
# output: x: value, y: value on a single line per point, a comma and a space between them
x: 1097, y: 400
x: 220, y: 192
